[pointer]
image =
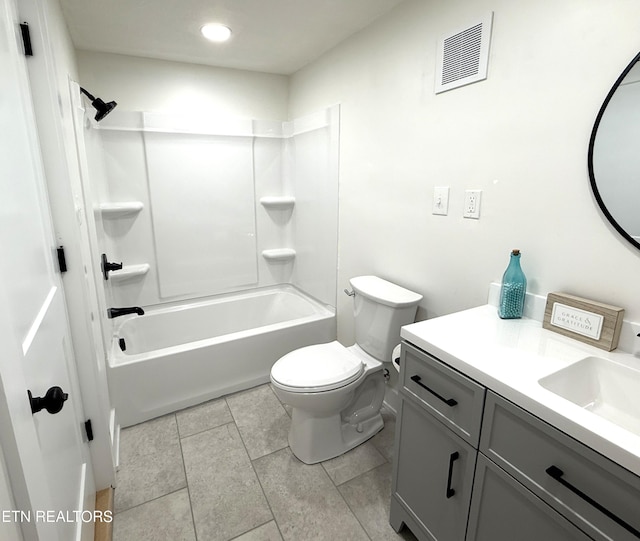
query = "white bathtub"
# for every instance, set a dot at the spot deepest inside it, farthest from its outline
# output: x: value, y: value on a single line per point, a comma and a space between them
x: 178, y: 356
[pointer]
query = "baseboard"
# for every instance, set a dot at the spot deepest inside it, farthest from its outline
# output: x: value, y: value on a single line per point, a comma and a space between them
x: 391, y: 404
x: 104, y: 502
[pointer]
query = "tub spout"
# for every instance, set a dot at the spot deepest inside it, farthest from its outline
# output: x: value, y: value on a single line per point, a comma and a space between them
x: 116, y: 312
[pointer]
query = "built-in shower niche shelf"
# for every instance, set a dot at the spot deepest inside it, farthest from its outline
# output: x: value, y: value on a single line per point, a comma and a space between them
x: 116, y: 210
x: 129, y: 271
x: 279, y: 254
x: 282, y: 202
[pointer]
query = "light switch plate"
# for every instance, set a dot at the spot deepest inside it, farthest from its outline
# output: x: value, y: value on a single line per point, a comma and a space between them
x: 440, y: 200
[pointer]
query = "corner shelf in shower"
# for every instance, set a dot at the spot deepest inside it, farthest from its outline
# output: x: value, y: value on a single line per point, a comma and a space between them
x: 129, y: 271
x: 278, y: 202
x: 116, y: 210
x: 279, y: 254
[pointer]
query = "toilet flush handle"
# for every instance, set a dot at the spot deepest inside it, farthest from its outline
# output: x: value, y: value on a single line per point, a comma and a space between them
x: 350, y: 293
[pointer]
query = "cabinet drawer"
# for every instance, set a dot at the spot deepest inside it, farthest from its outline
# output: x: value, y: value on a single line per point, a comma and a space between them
x: 597, y: 495
x: 450, y: 397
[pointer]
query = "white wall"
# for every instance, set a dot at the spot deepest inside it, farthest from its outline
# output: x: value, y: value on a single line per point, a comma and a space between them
x: 143, y: 84
x: 521, y: 136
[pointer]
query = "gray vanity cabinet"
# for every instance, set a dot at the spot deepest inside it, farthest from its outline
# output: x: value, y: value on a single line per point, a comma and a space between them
x: 472, y: 466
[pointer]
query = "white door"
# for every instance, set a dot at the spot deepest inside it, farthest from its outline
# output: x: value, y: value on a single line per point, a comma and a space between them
x: 46, y: 454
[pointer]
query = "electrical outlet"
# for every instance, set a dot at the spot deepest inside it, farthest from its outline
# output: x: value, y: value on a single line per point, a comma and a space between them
x: 440, y: 200
x: 472, y: 204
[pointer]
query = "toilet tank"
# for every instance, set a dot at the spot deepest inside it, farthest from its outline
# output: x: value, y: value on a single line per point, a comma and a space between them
x: 380, y: 308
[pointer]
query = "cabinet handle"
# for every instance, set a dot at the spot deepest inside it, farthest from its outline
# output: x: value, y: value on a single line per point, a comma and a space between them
x: 448, y: 401
x: 452, y: 458
x: 557, y: 474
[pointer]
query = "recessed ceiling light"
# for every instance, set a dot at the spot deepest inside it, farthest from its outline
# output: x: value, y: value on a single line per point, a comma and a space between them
x: 216, y: 32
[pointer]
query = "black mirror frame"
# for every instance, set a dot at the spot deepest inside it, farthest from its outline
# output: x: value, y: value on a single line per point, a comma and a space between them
x: 592, y: 140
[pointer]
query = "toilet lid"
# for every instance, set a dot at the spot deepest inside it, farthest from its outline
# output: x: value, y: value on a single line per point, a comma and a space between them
x: 319, y: 367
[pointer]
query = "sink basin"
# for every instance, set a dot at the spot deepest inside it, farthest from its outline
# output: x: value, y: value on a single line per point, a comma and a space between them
x: 606, y: 388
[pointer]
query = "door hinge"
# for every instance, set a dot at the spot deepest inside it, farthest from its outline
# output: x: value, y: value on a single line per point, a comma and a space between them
x: 89, y: 430
x: 26, y: 39
x: 62, y: 260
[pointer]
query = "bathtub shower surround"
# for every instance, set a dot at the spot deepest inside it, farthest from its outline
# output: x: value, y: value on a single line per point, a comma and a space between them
x: 227, y: 233
x: 225, y: 204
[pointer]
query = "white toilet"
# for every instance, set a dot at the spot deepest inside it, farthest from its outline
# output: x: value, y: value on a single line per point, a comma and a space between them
x: 336, y: 392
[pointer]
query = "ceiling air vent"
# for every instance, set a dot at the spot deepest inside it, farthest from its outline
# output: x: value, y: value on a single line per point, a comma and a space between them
x: 463, y: 56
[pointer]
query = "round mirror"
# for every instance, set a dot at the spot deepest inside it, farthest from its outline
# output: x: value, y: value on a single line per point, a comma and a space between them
x: 614, y: 154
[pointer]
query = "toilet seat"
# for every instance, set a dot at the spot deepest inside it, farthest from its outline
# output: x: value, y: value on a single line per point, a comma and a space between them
x: 321, y: 367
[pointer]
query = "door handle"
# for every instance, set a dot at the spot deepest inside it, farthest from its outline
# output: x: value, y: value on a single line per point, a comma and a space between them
x: 452, y: 458
x: 52, y: 401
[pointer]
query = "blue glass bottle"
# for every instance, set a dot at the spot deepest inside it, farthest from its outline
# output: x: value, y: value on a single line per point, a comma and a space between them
x: 513, y: 290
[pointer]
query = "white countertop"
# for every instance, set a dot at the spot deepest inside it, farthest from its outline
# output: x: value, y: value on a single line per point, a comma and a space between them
x: 510, y: 356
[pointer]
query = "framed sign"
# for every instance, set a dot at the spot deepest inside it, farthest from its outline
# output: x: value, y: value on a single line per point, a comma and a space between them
x: 591, y: 322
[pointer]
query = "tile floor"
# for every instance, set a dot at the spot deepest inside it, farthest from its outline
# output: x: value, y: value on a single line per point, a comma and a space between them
x: 223, y: 470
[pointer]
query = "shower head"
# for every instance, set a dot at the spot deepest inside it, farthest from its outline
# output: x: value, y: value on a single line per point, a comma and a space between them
x: 102, y: 108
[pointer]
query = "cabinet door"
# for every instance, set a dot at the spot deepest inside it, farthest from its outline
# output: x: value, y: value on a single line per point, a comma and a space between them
x: 434, y: 474
x: 503, y: 510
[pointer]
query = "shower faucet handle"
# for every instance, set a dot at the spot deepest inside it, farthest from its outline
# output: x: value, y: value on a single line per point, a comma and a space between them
x: 107, y: 267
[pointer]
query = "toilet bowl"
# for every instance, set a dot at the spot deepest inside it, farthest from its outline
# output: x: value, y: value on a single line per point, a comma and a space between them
x: 336, y: 392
